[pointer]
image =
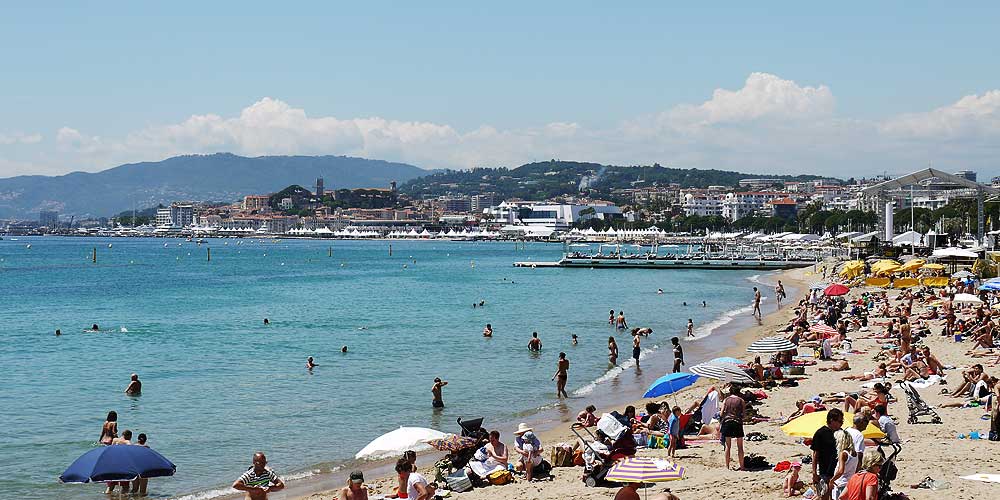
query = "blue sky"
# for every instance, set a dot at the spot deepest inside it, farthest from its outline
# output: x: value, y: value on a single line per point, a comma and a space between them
x: 459, y: 84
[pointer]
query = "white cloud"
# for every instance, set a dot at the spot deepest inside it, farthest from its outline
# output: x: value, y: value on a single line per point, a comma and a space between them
x: 769, y: 125
x: 972, y: 117
x: 19, y: 138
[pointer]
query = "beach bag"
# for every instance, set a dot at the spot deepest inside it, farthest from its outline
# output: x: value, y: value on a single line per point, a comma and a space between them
x: 459, y: 481
x: 578, y: 458
x: 500, y: 477
x: 561, y: 456
x: 656, y: 442
x: 610, y: 426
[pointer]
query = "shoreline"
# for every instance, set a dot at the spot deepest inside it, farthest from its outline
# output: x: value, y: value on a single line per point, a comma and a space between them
x: 552, y: 424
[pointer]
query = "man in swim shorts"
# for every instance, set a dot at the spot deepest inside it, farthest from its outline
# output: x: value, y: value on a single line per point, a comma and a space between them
x: 436, y: 391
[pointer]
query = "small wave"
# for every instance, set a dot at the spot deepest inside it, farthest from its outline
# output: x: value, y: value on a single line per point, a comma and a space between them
x: 723, y: 320
x: 222, y: 492
x: 613, y: 373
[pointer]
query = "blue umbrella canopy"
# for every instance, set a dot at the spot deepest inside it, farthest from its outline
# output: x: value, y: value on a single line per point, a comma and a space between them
x: 669, y: 384
x: 118, y: 462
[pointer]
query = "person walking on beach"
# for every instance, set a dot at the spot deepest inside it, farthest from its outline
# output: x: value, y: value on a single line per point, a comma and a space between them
x: 259, y: 479
x: 535, y: 344
x: 824, y: 454
x: 134, y: 387
x: 678, y: 354
x: 612, y: 351
x: 561, y: 375
x: 779, y: 292
x: 756, y: 303
x: 436, y: 391
x: 731, y: 418
x: 355, y: 489
x: 690, y: 328
x: 635, y: 349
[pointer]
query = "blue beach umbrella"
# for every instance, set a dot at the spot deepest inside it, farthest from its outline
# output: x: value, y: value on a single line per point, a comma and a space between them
x: 669, y: 384
x: 728, y: 360
x: 118, y: 462
x: 993, y: 286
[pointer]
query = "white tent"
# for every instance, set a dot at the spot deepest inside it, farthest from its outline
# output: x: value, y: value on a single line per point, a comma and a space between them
x: 955, y: 252
x: 912, y: 238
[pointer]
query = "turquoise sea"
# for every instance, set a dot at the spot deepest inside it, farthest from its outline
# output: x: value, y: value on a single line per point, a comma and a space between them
x: 219, y: 385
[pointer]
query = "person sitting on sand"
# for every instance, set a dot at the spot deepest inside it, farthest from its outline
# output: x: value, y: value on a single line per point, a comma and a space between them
x: 792, y: 485
x: 981, y: 393
x: 134, y: 386
x: 630, y: 491
x: 803, y: 407
x: 258, y: 480
x: 586, y: 417
x: 878, y: 396
x: 355, y: 489
x: 529, y: 447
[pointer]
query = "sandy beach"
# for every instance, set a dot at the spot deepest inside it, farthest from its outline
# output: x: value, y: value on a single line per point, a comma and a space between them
x: 928, y: 449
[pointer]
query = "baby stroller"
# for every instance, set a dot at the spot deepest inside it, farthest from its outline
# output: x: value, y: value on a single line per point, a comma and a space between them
x: 916, y: 406
x: 472, y: 428
x: 888, y: 472
x: 593, y: 474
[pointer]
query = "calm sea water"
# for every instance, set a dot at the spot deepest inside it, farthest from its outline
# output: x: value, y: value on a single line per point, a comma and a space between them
x: 218, y: 385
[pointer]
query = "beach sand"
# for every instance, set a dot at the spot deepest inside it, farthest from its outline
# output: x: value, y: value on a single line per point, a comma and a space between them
x: 928, y: 449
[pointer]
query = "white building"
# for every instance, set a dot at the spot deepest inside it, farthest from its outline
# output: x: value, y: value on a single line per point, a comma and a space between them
x: 702, y: 205
x: 175, y: 217
x: 552, y: 216
x: 736, y: 206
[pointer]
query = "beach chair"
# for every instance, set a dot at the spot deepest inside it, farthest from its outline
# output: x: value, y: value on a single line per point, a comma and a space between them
x: 916, y: 406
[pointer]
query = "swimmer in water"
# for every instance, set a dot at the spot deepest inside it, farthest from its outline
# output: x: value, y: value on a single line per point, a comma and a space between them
x: 659, y: 291
x: 343, y: 349
x: 611, y: 319
x: 310, y: 364
x: 685, y: 304
x: 482, y: 303
x: 58, y: 332
x: 95, y: 328
x: 704, y: 304
x: 266, y: 322
x: 134, y: 386
x: 535, y: 344
x: 574, y: 339
x: 488, y: 331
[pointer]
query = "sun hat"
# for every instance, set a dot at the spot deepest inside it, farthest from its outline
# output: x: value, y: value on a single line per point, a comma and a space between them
x: 357, y: 477
x: 522, y: 428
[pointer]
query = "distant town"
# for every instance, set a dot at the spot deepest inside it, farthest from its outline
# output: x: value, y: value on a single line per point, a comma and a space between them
x: 946, y: 202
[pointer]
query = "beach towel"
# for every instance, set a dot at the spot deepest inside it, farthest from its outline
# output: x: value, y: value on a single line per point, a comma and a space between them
x: 988, y: 478
x: 922, y: 383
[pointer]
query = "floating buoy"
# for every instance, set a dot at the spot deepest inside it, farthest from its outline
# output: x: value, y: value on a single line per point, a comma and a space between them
x: 109, y: 245
x: 28, y: 246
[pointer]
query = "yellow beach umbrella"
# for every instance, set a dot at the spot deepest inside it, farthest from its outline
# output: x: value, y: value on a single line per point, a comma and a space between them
x: 932, y: 266
x: 911, y: 265
x: 807, y: 425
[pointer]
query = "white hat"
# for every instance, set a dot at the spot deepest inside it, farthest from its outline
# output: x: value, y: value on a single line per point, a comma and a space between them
x: 522, y: 428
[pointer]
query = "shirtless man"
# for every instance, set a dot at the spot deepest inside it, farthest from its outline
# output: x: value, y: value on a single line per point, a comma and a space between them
x: 779, y: 292
x: 488, y: 331
x: 310, y: 364
x: 535, y: 344
x: 436, y: 391
x: 258, y: 480
x: 355, y: 489
x: 756, y: 303
x: 905, y: 335
x: 562, y: 374
x: 134, y: 386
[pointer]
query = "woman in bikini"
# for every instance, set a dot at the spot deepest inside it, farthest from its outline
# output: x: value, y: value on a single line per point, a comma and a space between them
x: 612, y: 351
x: 562, y: 373
x: 110, y: 429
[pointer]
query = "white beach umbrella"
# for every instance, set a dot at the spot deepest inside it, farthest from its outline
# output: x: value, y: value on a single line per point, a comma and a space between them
x: 955, y: 252
x: 398, y: 441
x: 771, y: 344
x: 963, y: 274
x: 967, y: 298
x: 723, y: 371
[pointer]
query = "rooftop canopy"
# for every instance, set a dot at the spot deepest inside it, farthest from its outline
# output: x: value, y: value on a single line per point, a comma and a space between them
x: 922, y: 175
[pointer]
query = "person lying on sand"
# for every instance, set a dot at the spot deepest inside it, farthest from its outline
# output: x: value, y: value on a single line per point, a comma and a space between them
x: 838, y: 366
x: 878, y: 373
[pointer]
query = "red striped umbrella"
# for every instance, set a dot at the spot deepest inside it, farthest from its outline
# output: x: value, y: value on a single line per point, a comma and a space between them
x: 645, y: 470
x: 823, y: 329
x: 835, y: 290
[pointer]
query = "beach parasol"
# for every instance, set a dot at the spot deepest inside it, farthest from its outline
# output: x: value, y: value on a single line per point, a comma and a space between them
x: 963, y: 274
x: 644, y: 470
x: 932, y: 266
x: 453, y: 442
x: 771, y: 344
x: 992, y: 286
x: 669, y: 384
x: 823, y: 329
x: 836, y: 290
x: 725, y: 372
x: 398, y: 441
x: 727, y: 360
x: 966, y: 298
x: 807, y: 425
x: 119, y: 462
